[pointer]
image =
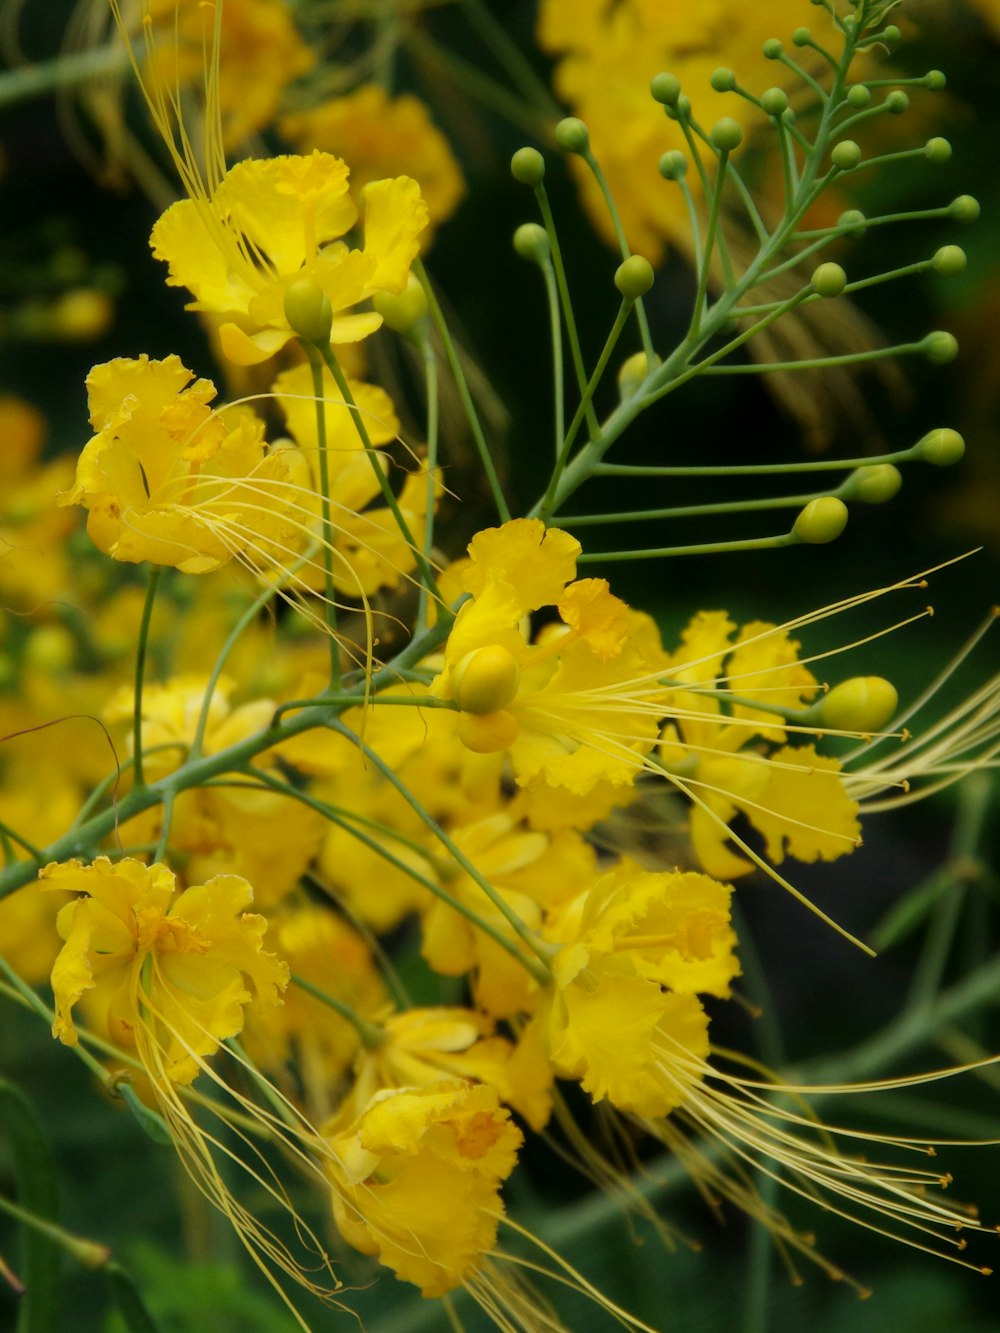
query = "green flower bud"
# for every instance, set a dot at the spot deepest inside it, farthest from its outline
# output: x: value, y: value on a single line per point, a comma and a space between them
x: 528, y: 166
x: 788, y: 116
x: 634, y: 277
x: 964, y: 209
x: 772, y: 48
x: 572, y: 135
x: 821, y: 521
x: 485, y: 680
x: 890, y: 35
x: 801, y: 36
x: 949, y: 260
x: 406, y: 312
x: 723, y: 79
x: 726, y: 134
x: 633, y: 372
x: 940, y: 347
x: 829, y: 280
x: 872, y: 485
x: 897, y: 102
x: 673, y: 165
x: 681, y: 109
x: 852, y: 220
x: 665, y: 88
x: 531, y: 242
x: 308, y: 310
x: 774, y: 101
x: 935, y: 80
x: 859, y: 95
x: 863, y: 703
x: 942, y: 447
x: 937, y: 150
x: 846, y: 155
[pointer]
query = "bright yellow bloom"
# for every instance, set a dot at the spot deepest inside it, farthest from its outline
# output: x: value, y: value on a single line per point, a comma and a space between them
x: 267, y: 223
x: 382, y: 136
x: 561, y: 706
x: 174, y: 971
x: 168, y: 480
x: 417, y: 1180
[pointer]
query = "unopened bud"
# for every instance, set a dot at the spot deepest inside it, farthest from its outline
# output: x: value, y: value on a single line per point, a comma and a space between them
x: 528, y: 166
x: 774, y: 101
x: 942, y: 447
x: 633, y: 373
x: 572, y: 135
x: 406, y: 312
x: 772, y: 49
x: 308, y: 310
x: 949, y: 260
x: 673, y: 165
x: 937, y: 150
x: 665, y: 88
x: 489, y: 733
x: 485, y: 680
x: 852, y: 220
x: 726, y: 134
x: 846, y: 155
x: 531, y: 242
x: 634, y: 277
x: 858, y: 95
x: 801, y: 36
x: 829, y: 280
x: 821, y: 521
x: 964, y: 209
x: 940, y: 347
x: 872, y: 485
x: 890, y: 35
x: 935, y: 80
x: 723, y: 80
x: 897, y: 102
x: 863, y: 703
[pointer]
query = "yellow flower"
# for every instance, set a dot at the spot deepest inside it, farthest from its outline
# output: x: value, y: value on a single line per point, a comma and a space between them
x: 168, y: 480
x: 417, y: 1180
x: 175, y: 971
x: 239, y: 246
x: 381, y: 136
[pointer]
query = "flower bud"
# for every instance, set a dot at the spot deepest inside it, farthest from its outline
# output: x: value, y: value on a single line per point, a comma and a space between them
x: 308, y: 310
x: 488, y: 733
x: 531, y: 242
x: 673, y: 165
x: 801, y: 36
x: 845, y: 155
x: 665, y: 88
x: 723, y: 80
x: 964, y: 209
x: 940, y: 347
x: 829, y: 280
x: 942, y: 447
x: 858, y: 95
x: 853, y: 220
x: 897, y: 102
x: 949, y: 260
x: 572, y: 135
x: 772, y: 48
x: 774, y: 101
x: 935, y: 80
x: 528, y: 166
x: 633, y: 373
x: 406, y: 312
x: 821, y: 521
x: 634, y: 277
x: 872, y: 485
x: 485, y: 680
x: 863, y: 703
x: 937, y: 150
x: 726, y: 134
x: 890, y: 35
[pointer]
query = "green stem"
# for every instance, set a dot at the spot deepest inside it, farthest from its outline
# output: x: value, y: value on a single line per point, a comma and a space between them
x: 705, y: 548
x: 64, y: 71
x: 455, y: 365
x: 326, y: 517
x: 431, y: 389
x: 140, y: 670
x: 371, y: 1034
x: 555, y: 331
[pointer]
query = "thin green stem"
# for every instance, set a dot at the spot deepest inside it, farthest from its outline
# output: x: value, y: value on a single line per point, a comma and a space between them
x: 67, y: 70
x: 458, y: 374
x: 495, y: 37
x: 714, y: 205
x: 140, y: 670
x: 705, y: 548
x: 555, y: 332
x: 816, y: 363
x: 559, y: 268
x: 326, y: 515
x: 538, y: 966
x: 691, y: 511
x: 371, y: 1034
x: 431, y: 390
